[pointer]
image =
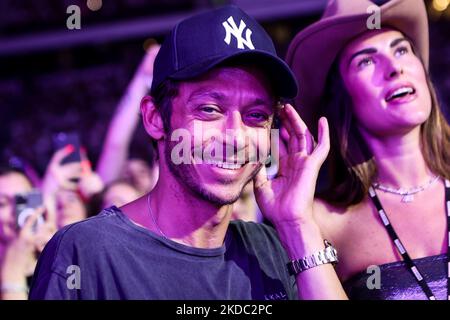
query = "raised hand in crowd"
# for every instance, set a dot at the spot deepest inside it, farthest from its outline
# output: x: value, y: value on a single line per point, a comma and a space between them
x: 90, y: 182
x: 61, y: 176
x: 67, y: 187
x: 115, y: 150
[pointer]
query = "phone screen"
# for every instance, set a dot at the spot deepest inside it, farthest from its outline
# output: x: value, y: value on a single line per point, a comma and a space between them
x: 25, y: 204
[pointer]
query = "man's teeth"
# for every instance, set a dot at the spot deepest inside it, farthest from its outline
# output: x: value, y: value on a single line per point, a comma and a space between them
x: 400, y: 92
x: 226, y: 165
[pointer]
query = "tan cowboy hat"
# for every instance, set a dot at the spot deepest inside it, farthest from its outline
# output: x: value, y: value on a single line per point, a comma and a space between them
x: 313, y: 50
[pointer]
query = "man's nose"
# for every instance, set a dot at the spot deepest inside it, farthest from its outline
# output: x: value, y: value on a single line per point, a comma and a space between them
x: 235, y: 137
x: 235, y: 128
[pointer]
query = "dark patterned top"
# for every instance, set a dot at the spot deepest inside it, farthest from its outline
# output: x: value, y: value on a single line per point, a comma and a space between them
x: 397, y: 282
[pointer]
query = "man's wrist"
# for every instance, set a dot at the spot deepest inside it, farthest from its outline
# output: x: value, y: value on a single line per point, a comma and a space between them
x: 300, y: 238
x: 324, y: 256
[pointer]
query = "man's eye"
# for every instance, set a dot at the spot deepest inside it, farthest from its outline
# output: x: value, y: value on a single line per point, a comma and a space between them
x: 209, y: 109
x: 258, y: 116
x: 365, y: 62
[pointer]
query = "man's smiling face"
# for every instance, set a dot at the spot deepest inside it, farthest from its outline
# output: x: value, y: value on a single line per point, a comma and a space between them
x: 228, y: 113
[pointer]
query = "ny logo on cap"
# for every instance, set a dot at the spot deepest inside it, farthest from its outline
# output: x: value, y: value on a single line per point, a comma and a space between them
x: 232, y: 29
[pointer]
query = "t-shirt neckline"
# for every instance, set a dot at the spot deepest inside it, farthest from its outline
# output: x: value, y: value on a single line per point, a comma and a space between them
x: 219, y: 251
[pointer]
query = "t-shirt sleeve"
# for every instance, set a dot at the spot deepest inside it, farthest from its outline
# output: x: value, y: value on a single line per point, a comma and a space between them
x: 262, y: 241
x: 51, y: 286
x: 51, y: 280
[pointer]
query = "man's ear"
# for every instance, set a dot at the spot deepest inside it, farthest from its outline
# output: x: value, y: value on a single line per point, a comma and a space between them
x: 151, y: 117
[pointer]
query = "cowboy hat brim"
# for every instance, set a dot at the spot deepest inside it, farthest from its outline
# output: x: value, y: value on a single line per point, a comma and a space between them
x: 314, y: 50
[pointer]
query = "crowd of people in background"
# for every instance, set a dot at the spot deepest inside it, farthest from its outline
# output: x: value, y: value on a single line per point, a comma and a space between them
x: 70, y: 191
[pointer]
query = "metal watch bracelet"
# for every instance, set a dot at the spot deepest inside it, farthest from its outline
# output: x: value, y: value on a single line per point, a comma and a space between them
x: 327, y: 255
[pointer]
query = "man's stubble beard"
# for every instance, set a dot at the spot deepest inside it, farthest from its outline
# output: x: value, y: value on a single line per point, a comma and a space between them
x: 184, y: 177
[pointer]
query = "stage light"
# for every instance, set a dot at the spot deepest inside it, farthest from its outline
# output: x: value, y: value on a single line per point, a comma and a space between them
x: 440, y: 5
x: 94, y: 5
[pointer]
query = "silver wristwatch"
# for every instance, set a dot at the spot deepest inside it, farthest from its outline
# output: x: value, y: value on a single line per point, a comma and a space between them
x: 327, y: 255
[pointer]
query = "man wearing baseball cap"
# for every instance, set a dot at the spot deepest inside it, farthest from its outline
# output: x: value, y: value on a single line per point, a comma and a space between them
x: 216, y: 76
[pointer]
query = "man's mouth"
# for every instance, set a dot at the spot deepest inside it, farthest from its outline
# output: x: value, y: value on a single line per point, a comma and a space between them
x: 229, y: 165
x: 399, y: 92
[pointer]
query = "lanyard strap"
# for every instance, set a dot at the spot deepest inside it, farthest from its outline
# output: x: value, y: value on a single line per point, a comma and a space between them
x: 447, y: 207
x: 401, y: 249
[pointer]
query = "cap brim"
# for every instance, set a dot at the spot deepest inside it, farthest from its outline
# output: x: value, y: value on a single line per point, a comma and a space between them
x: 279, y: 74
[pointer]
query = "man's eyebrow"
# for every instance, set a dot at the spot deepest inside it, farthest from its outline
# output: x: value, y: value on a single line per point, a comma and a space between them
x: 219, y: 97
x: 397, y: 41
x: 206, y: 94
x: 363, y: 51
x: 261, y: 102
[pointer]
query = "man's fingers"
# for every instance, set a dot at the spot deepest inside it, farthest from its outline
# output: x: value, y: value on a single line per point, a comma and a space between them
x: 284, y: 134
x: 292, y: 144
x: 299, y: 128
x: 260, y: 178
x: 283, y: 142
x: 323, y: 145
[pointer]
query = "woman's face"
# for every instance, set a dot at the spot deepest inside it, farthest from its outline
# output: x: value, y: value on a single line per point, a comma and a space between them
x: 11, y: 184
x: 119, y: 194
x: 70, y: 207
x: 386, y: 82
x: 141, y: 174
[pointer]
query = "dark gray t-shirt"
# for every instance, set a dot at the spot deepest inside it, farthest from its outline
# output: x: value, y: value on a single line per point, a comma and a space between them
x: 110, y: 257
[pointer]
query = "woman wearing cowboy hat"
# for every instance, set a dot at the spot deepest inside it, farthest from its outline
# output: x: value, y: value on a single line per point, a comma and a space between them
x: 387, y: 204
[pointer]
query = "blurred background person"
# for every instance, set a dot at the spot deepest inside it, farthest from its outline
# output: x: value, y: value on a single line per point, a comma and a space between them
x: 19, y: 245
x: 142, y: 175
x: 118, y: 193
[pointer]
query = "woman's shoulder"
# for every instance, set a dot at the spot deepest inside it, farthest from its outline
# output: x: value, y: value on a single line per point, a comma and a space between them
x: 323, y: 209
x: 332, y: 217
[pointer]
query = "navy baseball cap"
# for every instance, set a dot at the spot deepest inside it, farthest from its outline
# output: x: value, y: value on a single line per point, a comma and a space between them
x: 203, y: 41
